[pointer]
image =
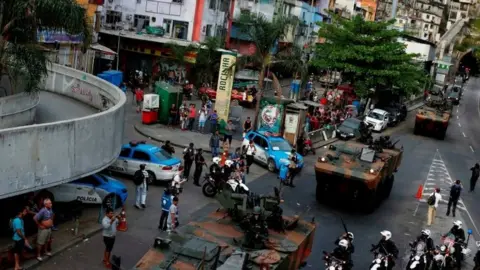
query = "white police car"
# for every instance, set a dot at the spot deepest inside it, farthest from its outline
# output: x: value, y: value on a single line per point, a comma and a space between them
x: 159, y: 164
x: 271, y: 151
x: 93, y: 189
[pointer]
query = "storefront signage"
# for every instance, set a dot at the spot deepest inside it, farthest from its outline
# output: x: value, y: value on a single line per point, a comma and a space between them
x: 291, y: 123
x: 224, y: 86
x: 45, y: 36
x: 270, y: 117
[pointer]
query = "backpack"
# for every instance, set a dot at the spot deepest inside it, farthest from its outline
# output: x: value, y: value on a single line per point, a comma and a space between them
x: 431, y: 200
x: 138, y: 178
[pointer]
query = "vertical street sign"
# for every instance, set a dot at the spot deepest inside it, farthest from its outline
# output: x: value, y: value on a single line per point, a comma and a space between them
x: 225, y: 83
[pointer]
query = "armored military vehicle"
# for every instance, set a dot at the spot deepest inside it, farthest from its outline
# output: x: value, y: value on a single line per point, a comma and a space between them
x: 357, y: 174
x: 262, y: 239
x: 433, y: 118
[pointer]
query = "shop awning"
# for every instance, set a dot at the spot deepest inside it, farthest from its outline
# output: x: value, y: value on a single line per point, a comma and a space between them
x: 102, y: 49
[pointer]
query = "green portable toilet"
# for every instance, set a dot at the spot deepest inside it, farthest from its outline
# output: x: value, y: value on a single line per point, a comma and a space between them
x: 169, y: 94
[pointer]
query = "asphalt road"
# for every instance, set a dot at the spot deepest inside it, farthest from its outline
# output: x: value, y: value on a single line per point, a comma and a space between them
x: 398, y: 214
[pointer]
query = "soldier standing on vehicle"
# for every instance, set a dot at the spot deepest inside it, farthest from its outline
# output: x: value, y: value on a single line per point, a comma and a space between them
x: 188, y: 156
x: 199, y: 163
x: 455, y: 192
x: 140, y: 179
x: 475, y: 174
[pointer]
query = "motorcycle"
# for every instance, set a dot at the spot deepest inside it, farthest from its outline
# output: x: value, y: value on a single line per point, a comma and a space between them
x: 455, y: 250
x: 333, y: 263
x: 442, y: 258
x: 210, y: 187
x: 380, y: 262
x: 418, y: 257
x: 308, y: 147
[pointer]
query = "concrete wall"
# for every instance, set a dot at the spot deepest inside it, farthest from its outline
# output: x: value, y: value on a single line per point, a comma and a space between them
x: 39, y: 156
x: 17, y: 110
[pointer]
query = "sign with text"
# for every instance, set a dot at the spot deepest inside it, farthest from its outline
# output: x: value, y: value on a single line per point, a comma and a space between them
x: 224, y: 86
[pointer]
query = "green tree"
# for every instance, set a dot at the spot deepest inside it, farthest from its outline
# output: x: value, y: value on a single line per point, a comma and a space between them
x: 178, y: 55
x: 369, y: 56
x: 293, y: 60
x: 21, y: 55
x: 208, y: 60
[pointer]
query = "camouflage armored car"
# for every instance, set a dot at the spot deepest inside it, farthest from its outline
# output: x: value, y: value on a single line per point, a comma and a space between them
x: 358, y: 174
x: 433, y: 118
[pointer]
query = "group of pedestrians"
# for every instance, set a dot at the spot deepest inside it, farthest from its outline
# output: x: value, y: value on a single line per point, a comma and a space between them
x: 44, y: 221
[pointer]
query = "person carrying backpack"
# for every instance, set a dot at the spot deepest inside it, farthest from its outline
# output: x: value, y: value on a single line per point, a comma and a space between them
x: 188, y: 157
x: 432, y: 202
x: 455, y: 192
x: 140, y: 179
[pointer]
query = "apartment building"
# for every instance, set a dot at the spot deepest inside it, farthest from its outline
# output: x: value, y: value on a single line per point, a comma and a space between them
x: 420, y: 18
x: 457, y: 10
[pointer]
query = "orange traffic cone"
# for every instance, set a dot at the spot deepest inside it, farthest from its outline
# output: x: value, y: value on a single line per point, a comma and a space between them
x: 122, y: 225
x: 419, y: 192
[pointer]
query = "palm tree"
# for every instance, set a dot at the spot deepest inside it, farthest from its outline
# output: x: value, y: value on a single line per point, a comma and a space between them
x: 293, y: 60
x: 21, y: 55
x: 208, y: 60
x: 178, y: 55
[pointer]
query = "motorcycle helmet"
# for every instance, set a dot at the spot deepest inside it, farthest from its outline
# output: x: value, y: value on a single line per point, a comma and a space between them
x: 186, y: 81
x: 457, y: 223
x: 257, y: 210
x: 386, y: 234
x: 426, y: 233
x: 216, y: 160
x: 350, y: 236
x: 343, y: 243
x: 229, y: 163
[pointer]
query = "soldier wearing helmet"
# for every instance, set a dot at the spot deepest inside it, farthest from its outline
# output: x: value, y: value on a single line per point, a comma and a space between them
x: 387, y: 247
x: 257, y: 229
x: 349, y: 238
x: 458, y: 231
x: 341, y: 252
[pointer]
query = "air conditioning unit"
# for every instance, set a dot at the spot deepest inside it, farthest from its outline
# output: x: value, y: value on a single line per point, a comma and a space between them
x: 151, y: 101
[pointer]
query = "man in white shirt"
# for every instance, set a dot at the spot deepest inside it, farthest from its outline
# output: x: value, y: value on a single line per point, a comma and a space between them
x: 433, y: 205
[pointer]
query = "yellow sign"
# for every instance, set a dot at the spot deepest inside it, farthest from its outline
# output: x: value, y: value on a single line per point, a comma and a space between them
x: 224, y: 86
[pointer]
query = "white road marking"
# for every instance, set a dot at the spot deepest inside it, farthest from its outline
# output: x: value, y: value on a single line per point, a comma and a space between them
x: 464, y: 134
x: 457, y: 110
x: 463, y: 206
x: 460, y: 125
x: 457, y: 116
x: 471, y: 148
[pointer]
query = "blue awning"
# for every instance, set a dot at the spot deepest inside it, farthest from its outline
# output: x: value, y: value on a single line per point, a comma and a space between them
x: 237, y: 34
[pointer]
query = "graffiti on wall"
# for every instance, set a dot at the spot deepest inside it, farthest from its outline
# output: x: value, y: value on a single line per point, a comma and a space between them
x: 87, y: 93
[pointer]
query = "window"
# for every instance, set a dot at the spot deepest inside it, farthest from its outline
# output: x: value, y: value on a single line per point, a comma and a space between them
x: 113, y: 17
x: 303, y: 15
x: 281, y: 146
x: 213, y: 4
x: 125, y: 152
x: 89, y: 180
x: 425, y: 35
x: 428, y: 16
x: 250, y: 136
x: 180, y: 29
x: 261, y: 142
x: 431, y: 26
x: 177, y: 1
x: 208, y: 30
x: 141, y: 155
x: 167, y: 25
x: 224, y: 5
x: 144, y: 21
x: 163, y: 155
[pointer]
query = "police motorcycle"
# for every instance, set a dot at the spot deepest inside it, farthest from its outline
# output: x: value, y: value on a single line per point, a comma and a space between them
x: 384, y: 253
x: 420, y: 253
x: 454, y: 247
x: 213, y: 182
x: 333, y: 263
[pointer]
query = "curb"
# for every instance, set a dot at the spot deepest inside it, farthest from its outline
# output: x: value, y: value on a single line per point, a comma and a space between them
x: 80, y: 238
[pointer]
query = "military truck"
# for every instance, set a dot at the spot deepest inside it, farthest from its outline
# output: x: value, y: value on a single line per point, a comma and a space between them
x: 357, y: 174
x: 217, y: 239
x: 433, y: 118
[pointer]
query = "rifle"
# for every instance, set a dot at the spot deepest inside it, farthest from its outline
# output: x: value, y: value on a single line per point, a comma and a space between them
x: 344, y: 226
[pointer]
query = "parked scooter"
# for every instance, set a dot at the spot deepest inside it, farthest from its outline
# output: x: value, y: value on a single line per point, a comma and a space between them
x: 212, y: 186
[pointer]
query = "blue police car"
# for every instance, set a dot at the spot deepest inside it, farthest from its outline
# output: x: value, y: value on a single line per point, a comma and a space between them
x: 160, y: 165
x: 270, y: 150
x: 93, y: 189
